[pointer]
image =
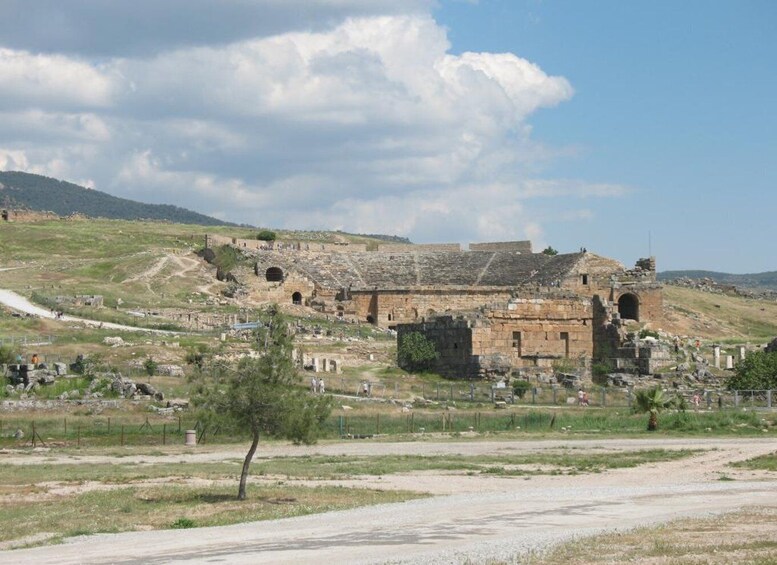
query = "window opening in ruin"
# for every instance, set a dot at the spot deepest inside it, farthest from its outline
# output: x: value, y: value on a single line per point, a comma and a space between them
x: 565, y: 338
x: 585, y: 279
x: 390, y: 317
x: 296, y: 298
x: 628, y: 307
x: 517, y: 342
x: 274, y: 274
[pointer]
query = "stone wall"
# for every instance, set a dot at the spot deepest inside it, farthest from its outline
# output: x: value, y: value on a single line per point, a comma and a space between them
x: 10, y: 215
x: 514, y: 246
x: 214, y: 240
x: 527, y: 332
x: 390, y: 307
x: 412, y: 247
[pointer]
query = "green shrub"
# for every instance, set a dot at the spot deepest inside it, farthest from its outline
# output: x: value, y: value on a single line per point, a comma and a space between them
x: 7, y: 355
x: 520, y: 388
x: 183, y: 523
x: 150, y: 366
x: 266, y: 235
x: 415, y: 352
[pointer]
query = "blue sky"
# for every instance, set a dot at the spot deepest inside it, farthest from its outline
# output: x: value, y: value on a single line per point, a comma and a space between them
x: 623, y: 127
x: 673, y: 99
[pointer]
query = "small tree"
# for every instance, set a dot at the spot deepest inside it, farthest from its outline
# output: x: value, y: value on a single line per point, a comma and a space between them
x: 652, y: 401
x: 520, y: 388
x: 757, y: 371
x: 266, y: 235
x: 415, y: 352
x: 7, y: 355
x: 150, y: 366
x: 262, y: 395
x: 549, y: 251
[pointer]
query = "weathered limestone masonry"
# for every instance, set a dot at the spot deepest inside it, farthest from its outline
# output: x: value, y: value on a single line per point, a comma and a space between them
x: 526, y: 332
x: 391, y: 287
x: 515, y: 246
x: 526, y: 309
x: 11, y: 215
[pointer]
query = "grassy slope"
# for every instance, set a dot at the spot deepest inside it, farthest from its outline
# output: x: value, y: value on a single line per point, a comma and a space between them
x: 103, y: 256
x: 714, y: 316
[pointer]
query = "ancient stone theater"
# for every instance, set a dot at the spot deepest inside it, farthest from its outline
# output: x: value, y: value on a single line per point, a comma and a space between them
x: 492, y: 306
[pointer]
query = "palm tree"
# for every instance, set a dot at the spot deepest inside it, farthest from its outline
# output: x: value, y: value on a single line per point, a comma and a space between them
x: 654, y: 402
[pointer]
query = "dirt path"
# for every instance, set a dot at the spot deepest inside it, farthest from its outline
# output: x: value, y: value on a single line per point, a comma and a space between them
x: 21, y: 304
x: 474, y: 518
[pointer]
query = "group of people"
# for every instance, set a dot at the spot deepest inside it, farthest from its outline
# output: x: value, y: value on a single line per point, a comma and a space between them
x: 582, y: 397
x: 317, y: 385
x: 57, y: 314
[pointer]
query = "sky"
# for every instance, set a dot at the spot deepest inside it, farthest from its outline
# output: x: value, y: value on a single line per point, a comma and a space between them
x: 628, y: 128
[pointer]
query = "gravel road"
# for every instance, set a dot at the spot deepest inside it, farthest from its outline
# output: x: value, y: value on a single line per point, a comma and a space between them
x: 471, y: 520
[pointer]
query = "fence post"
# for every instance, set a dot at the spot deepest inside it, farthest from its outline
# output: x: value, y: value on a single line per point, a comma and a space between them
x: 78, y: 435
x: 164, y: 434
x: 450, y: 396
x: 769, y: 398
x: 628, y: 395
x: 471, y: 392
x: 553, y: 388
x: 437, y: 397
x: 534, y: 395
x: 604, y: 397
x: 736, y: 399
x: 122, y: 436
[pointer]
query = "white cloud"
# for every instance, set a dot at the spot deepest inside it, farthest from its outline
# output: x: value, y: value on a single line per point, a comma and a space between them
x: 51, y: 81
x: 368, y: 124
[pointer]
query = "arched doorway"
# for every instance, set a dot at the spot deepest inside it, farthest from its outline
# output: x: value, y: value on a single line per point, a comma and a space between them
x: 296, y: 298
x: 628, y: 307
x: 274, y: 274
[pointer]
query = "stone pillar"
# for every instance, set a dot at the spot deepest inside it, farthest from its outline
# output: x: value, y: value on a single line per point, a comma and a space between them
x: 741, y: 352
x: 716, y: 356
x: 729, y: 361
x: 314, y: 362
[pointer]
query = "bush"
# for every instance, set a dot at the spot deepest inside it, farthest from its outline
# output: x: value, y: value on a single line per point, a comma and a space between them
x: 415, y: 352
x: 266, y: 235
x: 520, y: 388
x: 648, y: 333
x: 150, y: 366
x: 549, y: 251
x: 757, y: 371
x: 7, y: 356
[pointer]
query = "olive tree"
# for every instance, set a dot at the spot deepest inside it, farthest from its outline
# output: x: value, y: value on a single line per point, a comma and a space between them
x: 262, y: 395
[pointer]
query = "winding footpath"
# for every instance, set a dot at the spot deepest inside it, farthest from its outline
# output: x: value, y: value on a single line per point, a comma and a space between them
x: 472, y: 519
x: 21, y: 304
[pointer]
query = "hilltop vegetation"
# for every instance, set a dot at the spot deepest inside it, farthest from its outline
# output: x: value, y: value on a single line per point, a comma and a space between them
x: 36, y: 192
x: 767, y: 280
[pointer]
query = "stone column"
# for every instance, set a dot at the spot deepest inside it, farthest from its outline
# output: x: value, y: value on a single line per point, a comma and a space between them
x: 729, y: 361
x: 716, y: 356
x: 741, y: 352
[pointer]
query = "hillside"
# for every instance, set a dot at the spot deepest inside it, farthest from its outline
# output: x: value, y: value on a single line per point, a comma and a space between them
x: 36, y: 192
x: 764, y: 281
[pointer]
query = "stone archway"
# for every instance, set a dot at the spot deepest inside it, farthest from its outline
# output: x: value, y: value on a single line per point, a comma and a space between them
x: 274, y: 274
x: 296, y: 298
x: 628, y: 306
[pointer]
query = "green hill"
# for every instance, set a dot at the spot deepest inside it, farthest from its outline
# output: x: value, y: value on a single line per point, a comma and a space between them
x: 36, y: 192
x: 767, y: 281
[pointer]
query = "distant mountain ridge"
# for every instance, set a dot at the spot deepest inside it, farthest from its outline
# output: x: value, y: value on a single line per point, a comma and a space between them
x: 36, y: 192
x: 767, y: 280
